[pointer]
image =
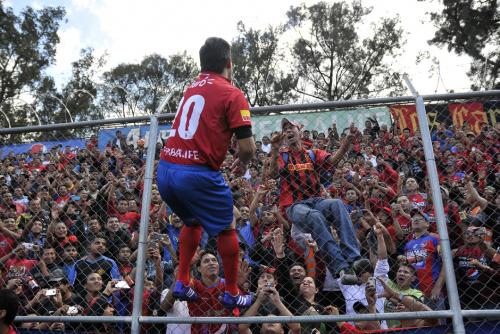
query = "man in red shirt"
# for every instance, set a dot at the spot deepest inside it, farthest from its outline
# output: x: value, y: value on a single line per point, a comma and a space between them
x: 208, y: 288
x: 9, y: 304
x: 211, y: 111
x: 300, y: 197
x: 16, y: 263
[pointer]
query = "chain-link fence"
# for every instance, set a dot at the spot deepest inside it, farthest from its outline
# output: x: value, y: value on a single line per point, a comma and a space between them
x: 335, y: 220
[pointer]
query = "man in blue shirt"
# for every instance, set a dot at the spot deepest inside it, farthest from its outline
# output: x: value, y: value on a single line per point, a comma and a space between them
x: 93, y: 262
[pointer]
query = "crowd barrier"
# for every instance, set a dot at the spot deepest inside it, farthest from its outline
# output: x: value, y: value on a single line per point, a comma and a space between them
x: 417, y: 190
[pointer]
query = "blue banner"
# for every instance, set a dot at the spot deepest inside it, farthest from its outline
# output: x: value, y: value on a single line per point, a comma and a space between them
x: 41, y: 146
x: 132, y: 135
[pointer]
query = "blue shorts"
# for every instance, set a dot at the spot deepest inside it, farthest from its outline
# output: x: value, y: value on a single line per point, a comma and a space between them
x: 197, y: 194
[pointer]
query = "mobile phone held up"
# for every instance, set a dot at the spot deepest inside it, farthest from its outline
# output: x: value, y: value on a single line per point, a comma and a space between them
x: 122, y: 285
x: 50, y: 292
x: 371, y: 282
x: 72, y: 310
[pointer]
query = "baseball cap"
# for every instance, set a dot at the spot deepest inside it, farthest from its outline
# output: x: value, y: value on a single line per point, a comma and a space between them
x: 490, y: 188
x: 267, y: 270
x: 444, y: 190
x: 57, y: 276
x: 387, y: 210
x: 285, y: 121
x: 416, y: 211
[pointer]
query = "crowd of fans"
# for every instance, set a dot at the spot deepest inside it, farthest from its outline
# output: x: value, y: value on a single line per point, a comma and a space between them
x: 69, y: 222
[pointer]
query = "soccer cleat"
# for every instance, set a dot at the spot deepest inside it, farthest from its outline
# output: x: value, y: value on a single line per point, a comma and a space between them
x: 183, y: 292
x: 348, y: 277
x: 231, y: 302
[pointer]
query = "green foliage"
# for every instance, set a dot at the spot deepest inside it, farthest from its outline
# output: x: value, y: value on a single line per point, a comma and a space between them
x: 472, y: 27
x: 27, y: 47
x: 141, y: 87
x: 257, y: 58
x: 331, y: 59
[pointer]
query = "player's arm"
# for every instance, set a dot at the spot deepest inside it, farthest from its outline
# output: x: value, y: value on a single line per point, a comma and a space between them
x: 246, y: 143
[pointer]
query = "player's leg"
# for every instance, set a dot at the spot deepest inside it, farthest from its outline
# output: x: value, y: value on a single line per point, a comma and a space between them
x: 229, y: 251
x: 190, y: 235
x: 214, y: 209
x: 189, y: 240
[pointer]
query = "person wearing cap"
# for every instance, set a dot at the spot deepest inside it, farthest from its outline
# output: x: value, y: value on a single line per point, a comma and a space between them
x: 422, y: 251
x: 63, y: 298
x: 301, y: 196
x: 477, y: 267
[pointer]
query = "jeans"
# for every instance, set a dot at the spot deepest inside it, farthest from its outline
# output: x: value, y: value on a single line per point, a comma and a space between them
x: 315, y: 216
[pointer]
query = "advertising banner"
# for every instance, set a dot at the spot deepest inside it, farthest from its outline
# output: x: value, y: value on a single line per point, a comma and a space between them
x: 321, y: 121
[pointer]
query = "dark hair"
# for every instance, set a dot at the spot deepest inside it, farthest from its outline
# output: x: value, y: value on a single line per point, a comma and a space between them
x: 10, y: 303
x: 362, y: 266
x: 205, y: 252
x: 93, y: 238
x: 214, y: 55
x: 298, y: 264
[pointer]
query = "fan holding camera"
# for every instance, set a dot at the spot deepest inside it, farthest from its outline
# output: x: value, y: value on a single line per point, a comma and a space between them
x: 268, y: 302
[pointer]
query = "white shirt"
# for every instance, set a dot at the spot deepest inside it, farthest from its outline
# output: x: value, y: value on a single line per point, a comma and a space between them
x: 179, y: 309
x: 266, y: 148
x: 356, y: 293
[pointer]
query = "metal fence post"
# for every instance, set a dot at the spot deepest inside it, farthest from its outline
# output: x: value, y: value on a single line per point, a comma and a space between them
x: 451, y: 283
x: 143, y: 230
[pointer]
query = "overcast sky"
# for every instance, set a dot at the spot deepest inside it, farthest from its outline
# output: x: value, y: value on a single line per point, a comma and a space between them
x: 128, y: 30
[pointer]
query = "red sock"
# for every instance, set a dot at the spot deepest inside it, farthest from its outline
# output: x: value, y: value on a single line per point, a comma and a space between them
x: 189, y: 239
x: 227, y: 245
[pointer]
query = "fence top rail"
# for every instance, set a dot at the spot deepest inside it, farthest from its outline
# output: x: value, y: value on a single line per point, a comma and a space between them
x: 80, y: 319
x: 247, y: 320
x: 256, y: 110
x: 79, y: 125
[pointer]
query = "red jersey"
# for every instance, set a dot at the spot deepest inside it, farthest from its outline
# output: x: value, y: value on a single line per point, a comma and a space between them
x: 299, y: 177
x: 423, y: 253
x: 19, y: 267
x: 209, y: 111
x: 6, y: 245
x: 208, y: 305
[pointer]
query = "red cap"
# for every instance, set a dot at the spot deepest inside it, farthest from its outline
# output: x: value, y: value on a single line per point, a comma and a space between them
x: 285, y: 121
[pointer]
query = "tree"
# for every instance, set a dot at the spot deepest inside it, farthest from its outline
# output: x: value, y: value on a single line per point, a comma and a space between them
x: 120, y: 92
x: 472, y: 27
x: 333, y: 62
x: 27, y: 47
x: 256, y: 58
x: 79, y: 93
x: 141, y: 87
